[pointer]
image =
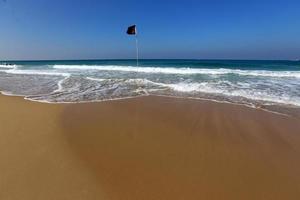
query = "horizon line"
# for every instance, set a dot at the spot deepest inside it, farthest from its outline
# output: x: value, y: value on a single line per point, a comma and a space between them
x: 113, y: 59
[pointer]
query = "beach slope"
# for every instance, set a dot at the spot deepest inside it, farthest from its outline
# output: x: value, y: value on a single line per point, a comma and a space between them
x: 147, y: 148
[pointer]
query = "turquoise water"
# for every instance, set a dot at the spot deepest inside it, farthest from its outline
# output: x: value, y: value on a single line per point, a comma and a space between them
x: 252, y: 83
x: 281, y: 65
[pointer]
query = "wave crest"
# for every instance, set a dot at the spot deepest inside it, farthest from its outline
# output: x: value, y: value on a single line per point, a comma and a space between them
x: 183, y: 71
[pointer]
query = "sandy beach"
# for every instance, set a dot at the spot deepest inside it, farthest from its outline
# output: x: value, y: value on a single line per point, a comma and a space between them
x: 146, y: 148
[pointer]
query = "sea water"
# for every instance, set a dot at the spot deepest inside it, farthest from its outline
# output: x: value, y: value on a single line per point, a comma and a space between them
x: 254, y: 83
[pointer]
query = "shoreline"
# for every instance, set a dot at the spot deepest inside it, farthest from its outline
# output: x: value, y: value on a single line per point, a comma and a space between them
x: 146, y: 148
x: 291, y: 110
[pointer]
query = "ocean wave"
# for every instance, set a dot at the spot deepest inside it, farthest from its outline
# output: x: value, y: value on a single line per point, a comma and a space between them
x: 249, y: 93
x: 8, y: 66
x: 183, y: 71
x: 72, y: 83
x: 238, y: 89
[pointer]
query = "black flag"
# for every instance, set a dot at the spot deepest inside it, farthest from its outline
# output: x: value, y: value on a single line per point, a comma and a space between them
x: 131, y: 30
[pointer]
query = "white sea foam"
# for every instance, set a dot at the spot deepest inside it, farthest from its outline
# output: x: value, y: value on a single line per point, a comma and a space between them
x: 133, y: 81
x: 184, y: 71
x: 238, y: 89
x: 8, y: 66
x: 36, y: 72
x: 96, y: 79
x: 249, y: 93
x: 272, y: 86
x: 59, y: 84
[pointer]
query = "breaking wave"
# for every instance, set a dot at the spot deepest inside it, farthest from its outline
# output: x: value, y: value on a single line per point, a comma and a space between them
x: 187, y: 71
x: 68, y: 83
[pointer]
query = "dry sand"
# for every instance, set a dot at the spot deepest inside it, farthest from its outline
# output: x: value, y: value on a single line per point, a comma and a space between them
x: 146, y: 148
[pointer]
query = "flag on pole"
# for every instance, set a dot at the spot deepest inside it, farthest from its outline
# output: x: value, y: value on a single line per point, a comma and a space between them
x: 132, y: 30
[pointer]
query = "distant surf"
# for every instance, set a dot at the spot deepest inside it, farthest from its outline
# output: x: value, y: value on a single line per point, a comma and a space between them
x: 254, y: 83
x: 174, y: 70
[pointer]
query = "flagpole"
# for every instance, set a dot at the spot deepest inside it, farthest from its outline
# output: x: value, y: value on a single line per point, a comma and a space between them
x: 132, y: 31
x: 137, y: 50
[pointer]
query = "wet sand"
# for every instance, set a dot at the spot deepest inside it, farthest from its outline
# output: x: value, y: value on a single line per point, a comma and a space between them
x: 146, y: 148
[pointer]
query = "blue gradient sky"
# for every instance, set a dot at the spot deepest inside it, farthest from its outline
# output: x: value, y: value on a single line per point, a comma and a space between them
x: 95, y: 29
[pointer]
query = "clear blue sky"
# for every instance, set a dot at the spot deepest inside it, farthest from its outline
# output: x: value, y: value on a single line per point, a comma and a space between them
x: 95, y: 29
